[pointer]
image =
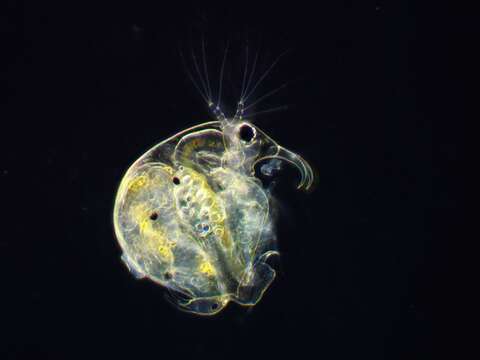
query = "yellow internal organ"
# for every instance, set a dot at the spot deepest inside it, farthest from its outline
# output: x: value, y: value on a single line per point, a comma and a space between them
x: 168, y: 169
x: 139, y: 213
x: 165, y: 252
x: 206, y: 268
x: 155, y: 240
x: 194, y: 144
x: 137, y: 183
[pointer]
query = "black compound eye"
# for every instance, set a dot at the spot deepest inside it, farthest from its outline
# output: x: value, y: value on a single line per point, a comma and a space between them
x: 246, y: 133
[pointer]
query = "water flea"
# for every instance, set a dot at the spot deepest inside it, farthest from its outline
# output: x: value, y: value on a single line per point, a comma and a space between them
x: 216, y: 232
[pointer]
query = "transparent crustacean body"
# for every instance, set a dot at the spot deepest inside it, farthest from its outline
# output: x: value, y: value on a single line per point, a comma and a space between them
x: 191, y: 215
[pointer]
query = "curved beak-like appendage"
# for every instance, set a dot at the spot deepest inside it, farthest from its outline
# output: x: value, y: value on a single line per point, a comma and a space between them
x: 306, y: 172
x: 305, y: 169
x: 269, y: 149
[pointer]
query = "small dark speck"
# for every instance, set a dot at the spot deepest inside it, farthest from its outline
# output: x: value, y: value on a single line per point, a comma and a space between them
x: 167, y: 276
x: 377, y: 8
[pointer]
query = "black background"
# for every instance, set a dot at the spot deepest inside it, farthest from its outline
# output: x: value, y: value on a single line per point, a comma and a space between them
x: 364, y: 266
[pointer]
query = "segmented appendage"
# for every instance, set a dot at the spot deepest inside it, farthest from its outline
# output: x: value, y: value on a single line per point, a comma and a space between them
x: 191, y: 216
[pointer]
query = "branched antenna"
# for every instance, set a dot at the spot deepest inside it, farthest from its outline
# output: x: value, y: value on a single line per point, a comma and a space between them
x: 217, y: 110
x: 263, y: 97
x: 190, y: 75
x: 205, y: 68
x: 240, y: 104
x: 248, y: 91
x: 264, y: 76
x: 250, y: 77
x: 200, y: 79
x: 244, y: 72
x: 278, y: 108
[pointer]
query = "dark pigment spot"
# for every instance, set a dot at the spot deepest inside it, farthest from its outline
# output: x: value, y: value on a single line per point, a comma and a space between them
x: 167, y: 276
x: 246, y: 133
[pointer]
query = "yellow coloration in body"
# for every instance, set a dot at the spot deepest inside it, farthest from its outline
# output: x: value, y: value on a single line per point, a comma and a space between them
x: 191, y: 216
x: 192, y: 146
x: 155, y: 239
x: 168, y: 169
x: 165, y: 252
x: 137, y: 183
x: 206, y: 268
